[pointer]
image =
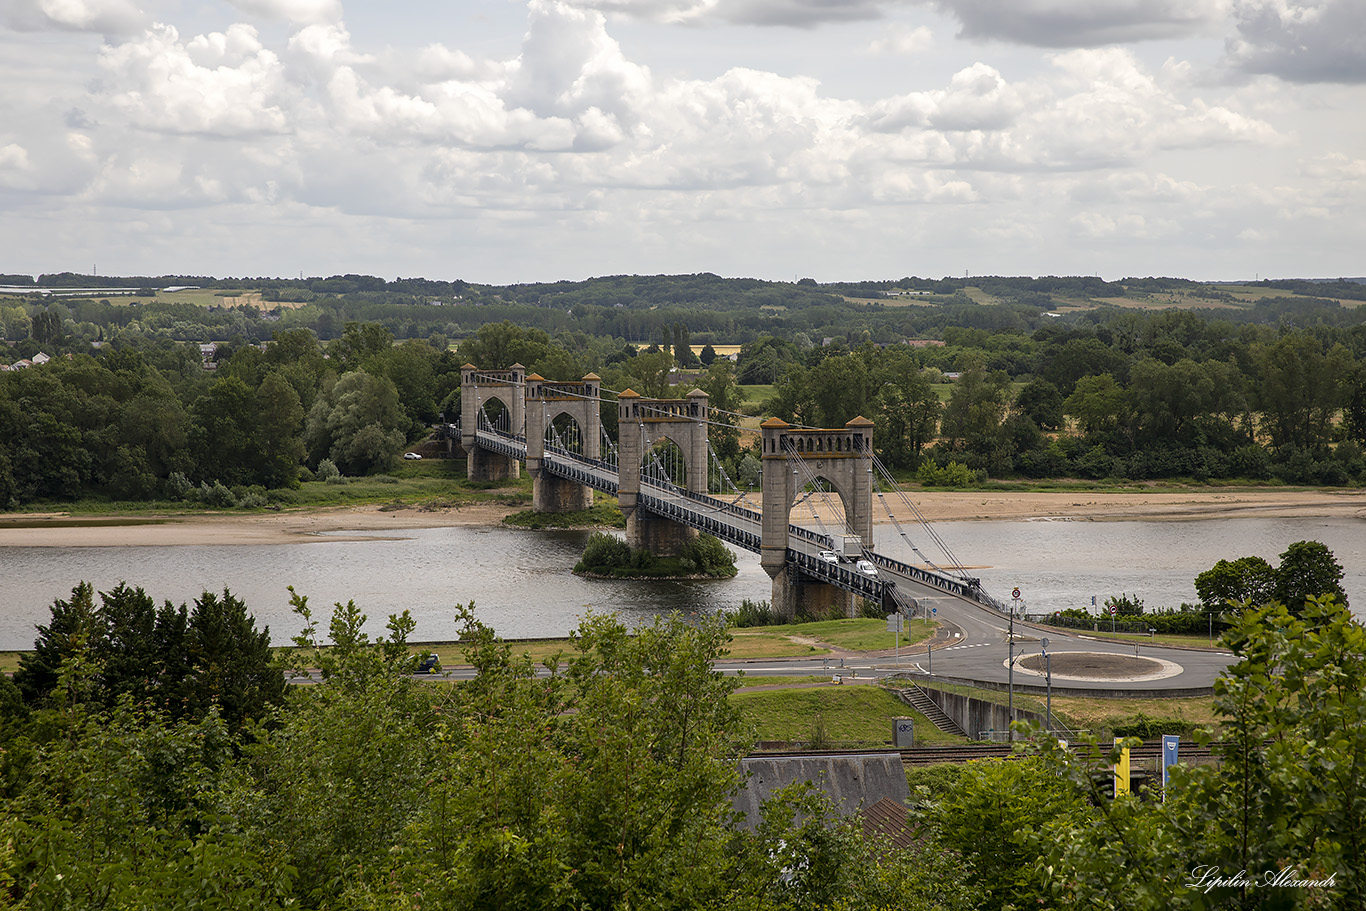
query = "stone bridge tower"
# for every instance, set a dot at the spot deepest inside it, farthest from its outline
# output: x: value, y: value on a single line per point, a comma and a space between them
x: 641, y: 423
x: 545, y: 401
x: 791, y: 458
x: 478, y: 387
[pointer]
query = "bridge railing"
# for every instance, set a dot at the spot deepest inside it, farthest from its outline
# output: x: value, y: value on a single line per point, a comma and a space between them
x: 836, y: 574
x: 965, y: 589
x: 708, y: 522
x: 502, y: 442
x: 593, y: 473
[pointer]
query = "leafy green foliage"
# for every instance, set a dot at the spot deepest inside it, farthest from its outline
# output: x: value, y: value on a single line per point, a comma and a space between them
x: 1247, y: 580
x: 1286, y: 795
x: 1308, y: 570
x: 991, y: 818
x: 211, y: 659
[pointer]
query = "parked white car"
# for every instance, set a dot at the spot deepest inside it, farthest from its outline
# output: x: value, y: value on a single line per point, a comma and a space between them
x: 866, y: 568
x: 412, y: 456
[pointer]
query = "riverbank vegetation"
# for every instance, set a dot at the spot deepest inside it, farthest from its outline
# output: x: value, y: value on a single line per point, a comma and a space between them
x: 202, y: 397
x: 702, y: 556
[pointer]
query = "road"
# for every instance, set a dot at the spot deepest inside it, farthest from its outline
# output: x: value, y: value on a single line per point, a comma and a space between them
x: 980, y: 651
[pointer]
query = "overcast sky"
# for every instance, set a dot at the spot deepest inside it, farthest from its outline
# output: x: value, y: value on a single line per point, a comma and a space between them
x: 503, y: 141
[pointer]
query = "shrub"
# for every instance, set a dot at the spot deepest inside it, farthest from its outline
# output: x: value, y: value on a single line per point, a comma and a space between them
x: 327, y: 470
x: 954, y: 474
x: 708, y: 555
x: 179, y: 486
x: 604, y: 551
x: 216, y: 495
x: 754, y: 613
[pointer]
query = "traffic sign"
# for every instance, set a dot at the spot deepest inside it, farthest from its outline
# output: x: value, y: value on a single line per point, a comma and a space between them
x: 1015, y: 594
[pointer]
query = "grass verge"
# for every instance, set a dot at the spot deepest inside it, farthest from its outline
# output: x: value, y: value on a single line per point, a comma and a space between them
x: 852, y: 715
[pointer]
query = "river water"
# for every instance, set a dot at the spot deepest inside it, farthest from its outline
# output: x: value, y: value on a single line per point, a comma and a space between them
x: 521, y: 584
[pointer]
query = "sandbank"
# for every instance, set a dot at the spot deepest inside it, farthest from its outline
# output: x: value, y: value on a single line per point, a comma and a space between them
x: 294, y: 526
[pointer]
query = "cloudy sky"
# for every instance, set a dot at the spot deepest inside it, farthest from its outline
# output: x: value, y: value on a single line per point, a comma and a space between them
x: 535, y: 140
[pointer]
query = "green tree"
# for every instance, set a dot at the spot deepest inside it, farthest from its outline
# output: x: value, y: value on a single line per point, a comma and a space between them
x: 222, y: 433
x: 990, y: 817
x: 357, y: 423
x: 1299, y: 389
x: 1099, y: 404
x: 278, y: 433
x: 47, y: 327
x: 1247, y: 580
x: 1286, y: 795
x: 906, y: 418
x: 74, y: 623
x: 1308, y: 570
x: 974, y: 416
x: 1041, y: 401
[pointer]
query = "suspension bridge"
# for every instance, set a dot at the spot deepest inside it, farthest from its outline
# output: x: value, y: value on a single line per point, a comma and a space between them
x: 812, y: 523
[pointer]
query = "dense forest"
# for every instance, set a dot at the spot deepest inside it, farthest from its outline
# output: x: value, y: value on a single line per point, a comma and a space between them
x: 232, y: 389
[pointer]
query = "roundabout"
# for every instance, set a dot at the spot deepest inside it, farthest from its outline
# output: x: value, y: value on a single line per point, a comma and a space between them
x: 1098, y: 667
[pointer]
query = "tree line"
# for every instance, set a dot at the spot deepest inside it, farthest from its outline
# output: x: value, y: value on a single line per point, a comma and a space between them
x: 1106, y: 394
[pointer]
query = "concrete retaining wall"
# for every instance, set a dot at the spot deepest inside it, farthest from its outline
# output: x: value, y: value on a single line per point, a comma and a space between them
x: 977, y: 715
x: 851, y: 782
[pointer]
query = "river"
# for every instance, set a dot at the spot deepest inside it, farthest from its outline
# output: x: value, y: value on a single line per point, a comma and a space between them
x: 520, y: 581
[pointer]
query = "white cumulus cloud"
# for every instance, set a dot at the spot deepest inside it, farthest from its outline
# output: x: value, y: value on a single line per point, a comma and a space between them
x: 222, y: 84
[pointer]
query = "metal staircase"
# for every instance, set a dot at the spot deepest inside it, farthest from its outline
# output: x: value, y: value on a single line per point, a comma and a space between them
x: 919, y: 700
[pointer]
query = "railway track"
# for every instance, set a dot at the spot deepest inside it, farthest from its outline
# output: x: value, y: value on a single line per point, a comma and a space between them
x: 1145, y: 754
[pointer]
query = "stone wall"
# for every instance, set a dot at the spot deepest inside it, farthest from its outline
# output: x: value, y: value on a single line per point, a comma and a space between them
x: 852, y: 782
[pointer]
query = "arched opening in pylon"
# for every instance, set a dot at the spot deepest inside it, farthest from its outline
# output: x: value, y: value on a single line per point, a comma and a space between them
x: 664, y: 465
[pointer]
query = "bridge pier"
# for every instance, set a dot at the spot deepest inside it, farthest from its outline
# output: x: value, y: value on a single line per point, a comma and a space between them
x: 660, y: 536
x: 554, y: 494
x: 794, y: 593
x: 640, y: 424
x: 482, y: 465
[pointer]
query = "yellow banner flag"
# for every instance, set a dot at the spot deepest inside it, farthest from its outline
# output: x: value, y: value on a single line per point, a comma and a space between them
x: 1122, y: 770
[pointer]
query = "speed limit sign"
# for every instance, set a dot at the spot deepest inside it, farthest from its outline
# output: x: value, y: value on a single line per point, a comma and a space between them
x: 1015, y: 594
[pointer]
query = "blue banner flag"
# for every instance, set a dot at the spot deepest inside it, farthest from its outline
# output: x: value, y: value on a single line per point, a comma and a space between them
x: 1170, y: 744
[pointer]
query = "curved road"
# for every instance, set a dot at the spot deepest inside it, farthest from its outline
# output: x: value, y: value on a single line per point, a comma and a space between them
x: 981, y: 648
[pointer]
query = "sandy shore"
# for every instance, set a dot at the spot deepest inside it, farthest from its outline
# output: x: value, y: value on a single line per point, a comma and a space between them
x: 937, y: 506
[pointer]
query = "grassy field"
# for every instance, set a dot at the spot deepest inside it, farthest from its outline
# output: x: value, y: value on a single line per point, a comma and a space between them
x: 770, y: 642
x: 852, y: 715
x: 753, y: 682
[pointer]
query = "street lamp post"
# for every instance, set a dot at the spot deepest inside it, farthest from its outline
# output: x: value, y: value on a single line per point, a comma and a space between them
x: 1048, y: 674
x: 1010, y: 661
